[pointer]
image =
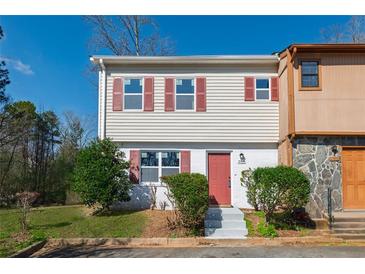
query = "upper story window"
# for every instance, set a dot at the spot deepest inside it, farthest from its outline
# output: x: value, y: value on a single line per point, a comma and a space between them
x: 262, y: 89
x: 133, y: 94
x: 309, y: 73
x: 185, y: 94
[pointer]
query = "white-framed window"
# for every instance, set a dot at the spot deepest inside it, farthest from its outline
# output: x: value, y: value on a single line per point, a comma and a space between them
x: 133, y: 94
x: 155, y: 164
x: 185, y: 93
x: 262, y: 89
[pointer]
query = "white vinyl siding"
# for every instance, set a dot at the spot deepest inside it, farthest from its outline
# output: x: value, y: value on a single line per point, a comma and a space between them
x: 228, y: 118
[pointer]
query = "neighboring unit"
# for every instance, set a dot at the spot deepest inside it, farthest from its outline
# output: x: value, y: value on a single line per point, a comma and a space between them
x: 215, y: 115
x: 322, y: 125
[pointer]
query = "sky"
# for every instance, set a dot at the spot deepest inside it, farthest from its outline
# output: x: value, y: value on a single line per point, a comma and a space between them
x: 47, y: 56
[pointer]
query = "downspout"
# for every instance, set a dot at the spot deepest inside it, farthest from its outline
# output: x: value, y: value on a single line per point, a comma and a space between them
x: 103, y: 100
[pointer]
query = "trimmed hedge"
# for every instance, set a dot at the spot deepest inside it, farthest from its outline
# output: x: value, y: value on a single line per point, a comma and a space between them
x: 191, y: 196
x: 279, y: 187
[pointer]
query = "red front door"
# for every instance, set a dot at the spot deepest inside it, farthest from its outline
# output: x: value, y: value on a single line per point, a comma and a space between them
x: 219, y: 177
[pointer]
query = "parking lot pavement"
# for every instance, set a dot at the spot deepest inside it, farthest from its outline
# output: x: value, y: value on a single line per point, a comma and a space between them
x: 209, y: 252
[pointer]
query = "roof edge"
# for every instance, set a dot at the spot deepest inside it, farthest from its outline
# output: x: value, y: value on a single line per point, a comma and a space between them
x: 197, y: 59
x: 322, y: 47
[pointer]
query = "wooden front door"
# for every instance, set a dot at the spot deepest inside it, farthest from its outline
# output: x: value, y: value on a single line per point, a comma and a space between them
x: 353, y: 178
x: 219, y: 177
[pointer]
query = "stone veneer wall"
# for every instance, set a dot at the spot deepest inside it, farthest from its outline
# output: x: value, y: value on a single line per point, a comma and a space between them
x: 312, y: 155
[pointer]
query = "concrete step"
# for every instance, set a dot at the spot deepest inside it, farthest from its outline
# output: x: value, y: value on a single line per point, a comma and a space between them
x: 229, y: 224
x: 225, y: 217
x: 349, y: 219
x: 349, y: 225
x: 349, y: 236
x: 223, y: 233
x: 224, y: 214
x: 349, y: 230
x: 352, y: 216
x: 225, y: 223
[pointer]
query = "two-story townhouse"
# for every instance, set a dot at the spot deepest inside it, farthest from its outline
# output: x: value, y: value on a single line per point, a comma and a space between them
x: 215, y: 115
x: 322, y: 121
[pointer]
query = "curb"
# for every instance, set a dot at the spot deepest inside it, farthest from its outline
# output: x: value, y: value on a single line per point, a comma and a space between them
x: 53, y: 244
x: 192, y: 242
x: 28, y: 251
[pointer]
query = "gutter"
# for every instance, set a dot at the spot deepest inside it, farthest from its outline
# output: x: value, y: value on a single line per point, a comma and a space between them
x: 181, y: 60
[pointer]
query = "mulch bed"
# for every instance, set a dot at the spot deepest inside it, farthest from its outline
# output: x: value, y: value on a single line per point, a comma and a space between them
x: 251, y: 216
x: 157, y: 226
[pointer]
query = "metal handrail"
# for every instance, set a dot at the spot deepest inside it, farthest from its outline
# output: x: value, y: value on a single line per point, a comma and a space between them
x: 329, y: 204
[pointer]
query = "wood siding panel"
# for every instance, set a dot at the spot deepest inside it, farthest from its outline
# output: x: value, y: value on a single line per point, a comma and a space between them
x: 228, y: 118
x: 283, y: 102
x: 339, y: 106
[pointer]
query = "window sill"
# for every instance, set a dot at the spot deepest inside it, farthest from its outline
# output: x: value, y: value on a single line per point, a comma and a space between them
x: 185, y: 110
x: 158, y: 184
x: 132, y: 110
x: 310, y: 89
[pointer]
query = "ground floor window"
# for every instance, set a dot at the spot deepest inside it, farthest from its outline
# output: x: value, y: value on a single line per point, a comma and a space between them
x: 155, y: 164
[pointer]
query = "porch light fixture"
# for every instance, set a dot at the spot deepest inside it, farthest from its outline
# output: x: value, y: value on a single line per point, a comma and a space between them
x: 242, y: 158
x: 334, y: 150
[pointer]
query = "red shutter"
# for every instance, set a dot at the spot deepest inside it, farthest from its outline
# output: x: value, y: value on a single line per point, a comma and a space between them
x: 118, y: 94
x: 274, y: 88
x: 201, y: 94
x: 249, y: 89
x: 148, y: 94
x: 169, y: 94
x: 134, y: 166
x: 185, y: 161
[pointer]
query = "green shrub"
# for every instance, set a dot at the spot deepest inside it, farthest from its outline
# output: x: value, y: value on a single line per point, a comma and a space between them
x: 267, y: 230
x: 190, y: 194
x: 248, y: 182
x: 100, y: 175
x: 280, y: 187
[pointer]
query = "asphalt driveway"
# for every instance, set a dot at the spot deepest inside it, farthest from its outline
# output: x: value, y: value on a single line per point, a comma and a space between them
x: 210, y: 252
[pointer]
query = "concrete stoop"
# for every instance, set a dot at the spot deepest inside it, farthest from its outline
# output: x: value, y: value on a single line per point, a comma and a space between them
x: 225, y: 223
x: 349, y: 225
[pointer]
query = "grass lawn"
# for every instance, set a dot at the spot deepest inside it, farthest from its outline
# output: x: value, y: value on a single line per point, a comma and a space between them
x: 66, y: 222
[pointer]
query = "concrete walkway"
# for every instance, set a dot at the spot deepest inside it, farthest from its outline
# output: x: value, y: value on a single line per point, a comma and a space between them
x: 210, y: 252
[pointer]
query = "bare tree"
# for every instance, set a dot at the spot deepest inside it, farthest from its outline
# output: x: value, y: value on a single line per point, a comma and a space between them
x: 333, y: 33
x: 25, y: 201
x: 356, y: 29
x: 77, y: 131
x: 128, y: 35
x: 353, y: 31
